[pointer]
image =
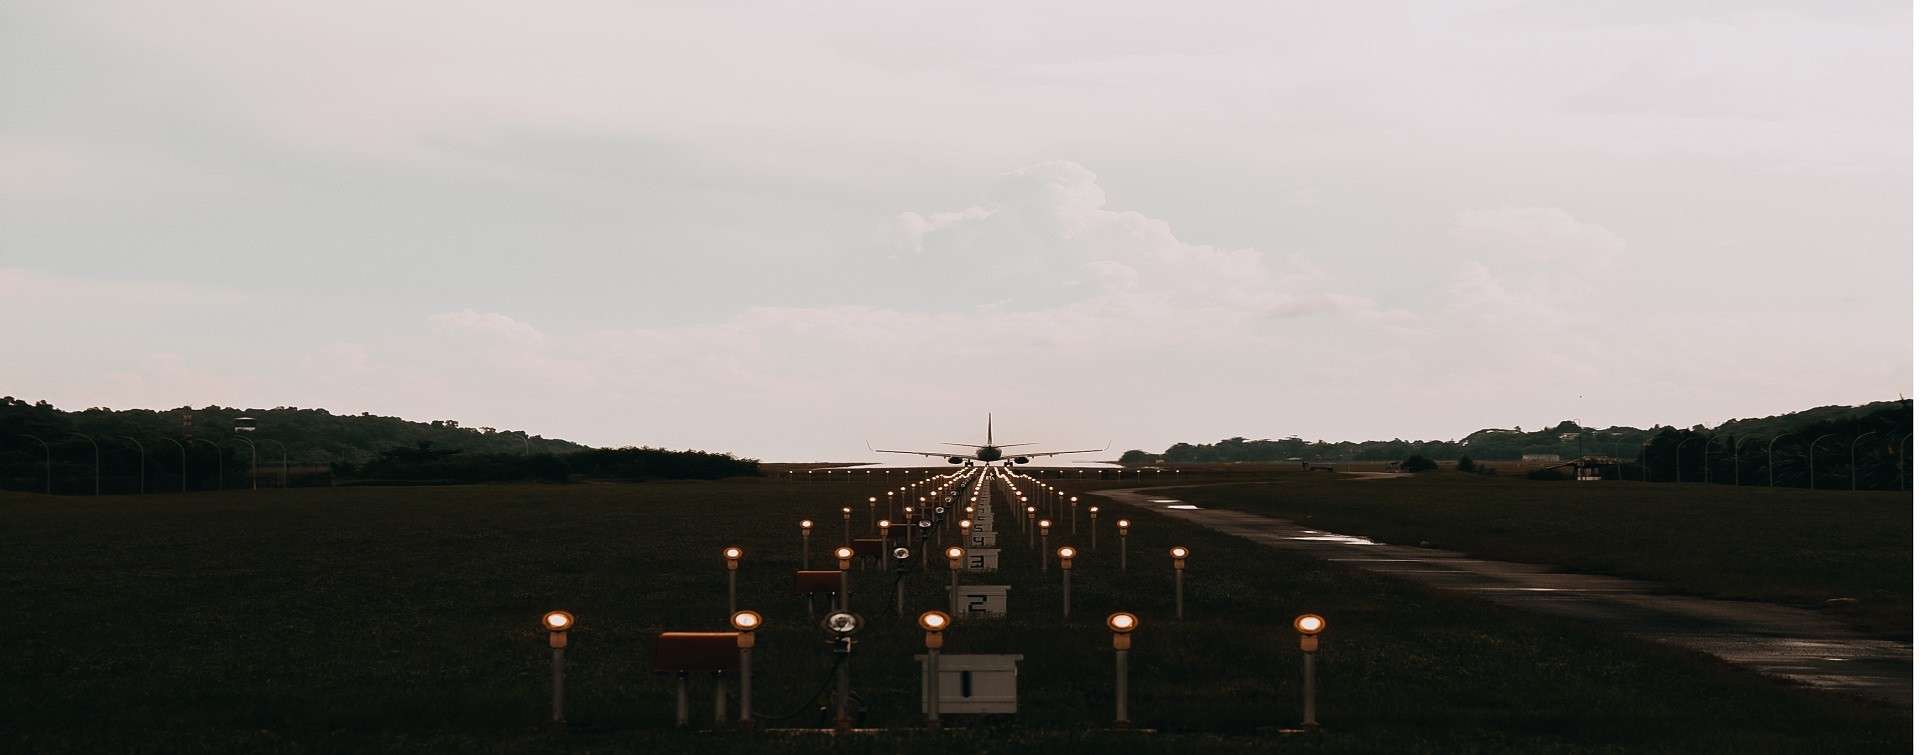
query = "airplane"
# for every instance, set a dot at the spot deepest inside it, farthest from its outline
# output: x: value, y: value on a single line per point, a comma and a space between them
x: 989, y: 453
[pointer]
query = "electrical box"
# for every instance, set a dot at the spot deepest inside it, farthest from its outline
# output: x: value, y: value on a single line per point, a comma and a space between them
x: 983, y: 600
x: 975, y: 684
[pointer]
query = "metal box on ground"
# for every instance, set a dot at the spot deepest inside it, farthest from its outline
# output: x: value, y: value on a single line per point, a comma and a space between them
x: 975, y: 683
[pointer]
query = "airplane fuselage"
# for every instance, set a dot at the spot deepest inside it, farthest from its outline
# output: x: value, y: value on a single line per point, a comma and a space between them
x: 987, y: 453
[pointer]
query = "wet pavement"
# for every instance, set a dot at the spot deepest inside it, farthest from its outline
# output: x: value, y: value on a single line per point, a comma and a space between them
x: 1776, y: 640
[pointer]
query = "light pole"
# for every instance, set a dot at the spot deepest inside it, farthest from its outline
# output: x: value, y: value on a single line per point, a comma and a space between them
x: 1121, y: 624
x: 49, y: 452
x: 1853, y: 467
x: 96, y: 459
x: 956, y: 556
x: 183, y: 461
x: 1045, y: 526
x: 1812, y: 471
x: 1676, y: 457
x: 557, y: 624
x: 1066, y: 582
x: 1900, y: 462
x: 1776, y: 439
x: 1736, y: 459
x: 1309, y: 626
x: 253, y: 465
x: 143, y: 460
x: 219, y: 461
x: 732, y: 555
x: 1179, y: 554
x: 744, y: 624
x: 935, y: 623
x: 283, y: 460
x: 1706, y: 459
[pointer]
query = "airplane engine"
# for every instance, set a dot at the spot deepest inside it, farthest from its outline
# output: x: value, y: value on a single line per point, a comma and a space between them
x: 1020, y: 459
x: 956, y: 460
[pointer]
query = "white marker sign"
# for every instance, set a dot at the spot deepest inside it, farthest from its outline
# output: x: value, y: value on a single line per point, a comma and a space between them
x: 983, y: 560
x: 983, y: 600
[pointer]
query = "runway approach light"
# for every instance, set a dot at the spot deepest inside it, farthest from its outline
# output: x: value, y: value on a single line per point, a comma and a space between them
x: 1309, y: 625
x: 935, y: 622
x: 745, y: 622
x: 954, y: 554
x: 557, y: 624
x: 845, y: 556
x: 1066, y: 556
x: 733, y: 555
x: 806, y: 524
x: 1179, y: 555
x: 1122, y: 623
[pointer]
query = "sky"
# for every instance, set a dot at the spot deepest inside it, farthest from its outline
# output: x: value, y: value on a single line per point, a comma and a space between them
x: 789, y: 230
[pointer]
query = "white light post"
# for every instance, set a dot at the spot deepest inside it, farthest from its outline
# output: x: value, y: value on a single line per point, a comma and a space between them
x: 1122, y: 625
x: 744, y: 624
x: 1309, y: 626
x: 732, y: 554
x: 1179, y: 554
x: 1066, y: 582
x: 844, y: 555
x: 956, y: 556
x: 935, y: 623
x: 557, y: 624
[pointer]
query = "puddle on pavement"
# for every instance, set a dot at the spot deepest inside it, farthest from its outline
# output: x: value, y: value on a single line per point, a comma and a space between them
x: 1344, y: 539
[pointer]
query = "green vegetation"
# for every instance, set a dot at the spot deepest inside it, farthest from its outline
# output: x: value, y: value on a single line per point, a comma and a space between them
x: 356, y: 619
x: 1701, y: 452
x: 1783, y: 545
x: 318, y: 448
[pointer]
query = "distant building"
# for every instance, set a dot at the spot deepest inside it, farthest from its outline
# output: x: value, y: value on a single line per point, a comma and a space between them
x: 1540, y: 457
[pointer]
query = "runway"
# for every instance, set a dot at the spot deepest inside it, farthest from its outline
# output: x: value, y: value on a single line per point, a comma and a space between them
x: 1776, y: 640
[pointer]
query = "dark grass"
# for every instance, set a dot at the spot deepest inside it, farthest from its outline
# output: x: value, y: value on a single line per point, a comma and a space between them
x: 1791, y: 546
x: 406, y: 620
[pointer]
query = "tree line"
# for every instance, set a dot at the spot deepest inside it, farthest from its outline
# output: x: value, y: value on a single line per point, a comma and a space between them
x: 199, y: 449
x: 1865, y: 446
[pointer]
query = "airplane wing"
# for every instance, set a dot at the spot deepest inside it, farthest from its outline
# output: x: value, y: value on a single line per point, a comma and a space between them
x: 1058, y: 453
x: 940, y: 454
x: 936, y: 454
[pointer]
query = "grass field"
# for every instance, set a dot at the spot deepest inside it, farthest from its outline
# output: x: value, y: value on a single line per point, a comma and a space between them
x: 1790, y: 546
x: 406, y: 620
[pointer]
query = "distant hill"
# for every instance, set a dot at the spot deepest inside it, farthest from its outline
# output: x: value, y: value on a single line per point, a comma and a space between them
x: 202, y: 447
x: 313, y: 436
x: 1888, y: 421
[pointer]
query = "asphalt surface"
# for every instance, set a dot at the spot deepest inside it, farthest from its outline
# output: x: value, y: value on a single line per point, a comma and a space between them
x: 1775, y: 640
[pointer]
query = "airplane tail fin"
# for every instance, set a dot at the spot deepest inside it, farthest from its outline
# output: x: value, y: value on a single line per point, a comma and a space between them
x: 989, y: 428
